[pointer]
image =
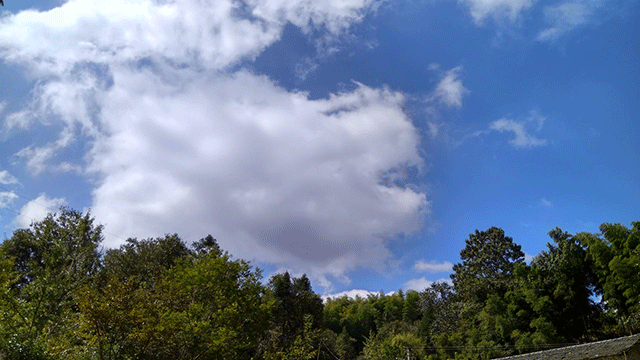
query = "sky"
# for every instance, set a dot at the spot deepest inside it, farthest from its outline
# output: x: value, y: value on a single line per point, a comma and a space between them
x: 357, y: 141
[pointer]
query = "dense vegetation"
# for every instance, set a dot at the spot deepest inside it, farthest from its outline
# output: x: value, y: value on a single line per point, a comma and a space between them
x: 62, y: 297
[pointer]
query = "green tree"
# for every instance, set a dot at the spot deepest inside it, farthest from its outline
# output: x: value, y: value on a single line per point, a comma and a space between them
x: 294, y: 305
x: 561, y: 286
x: 483, y: 283
x: 393, y: 306
x: 345, y: 345
x: 616, y: 257
x: 144, y: 260
x: 394, y: 340
x: 361, y: 318
x: 212, y: 309
x: 488, y: 261
x: 356, y: 318
x: 333, y: 312
x: 183, y: 305
x: 411, y: 307
x: 440, y: 310
x: 42, y: 266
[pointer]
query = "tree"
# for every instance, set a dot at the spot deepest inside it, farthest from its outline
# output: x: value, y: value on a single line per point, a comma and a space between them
x: 182, y: 306
x: 361, y: 318
x: 440, y: 310
x: 294, y: 305
x: 411, y: 308
x: 344, y: 345
x: 488, y: 261
x: 207, y: 245
x: 42, y: 265
x: 143, y: 260
x: 561, y: 285
x: 394, y: 340
x: 393, y: 306
x: 214, y: 310
x: 616, y: 257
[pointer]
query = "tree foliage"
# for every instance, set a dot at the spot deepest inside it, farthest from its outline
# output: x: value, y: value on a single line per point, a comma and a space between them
x: 63, y: 297
x: 615, y: 253
x: 487, y: 266
x: 41, y: 267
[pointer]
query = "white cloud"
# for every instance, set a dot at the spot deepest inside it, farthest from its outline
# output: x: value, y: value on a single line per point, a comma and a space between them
x: 306, y: 67
x: 450, y: 89
x: 528, y: 258
x: 510, y: 9
x: 273, y: 175
x: 350, y: 294
x: 6, y: 178
x: 209, y: 33
x: 567, y: 16
x: 75, y: 48
x: 422, y: 283
x: 37, y: 158
x: 335, y: 15
x: 433, y: 266
x: 546, y: 203
x: 37, y: 209
x: 536, y: 119
x: 179, y: 145
x: 433, y: 129
x: 6, y: 198
x: 20, y: 119
x: 522, y: 138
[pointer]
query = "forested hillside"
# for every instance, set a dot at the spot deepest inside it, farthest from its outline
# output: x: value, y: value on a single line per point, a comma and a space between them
x: 63, y: 297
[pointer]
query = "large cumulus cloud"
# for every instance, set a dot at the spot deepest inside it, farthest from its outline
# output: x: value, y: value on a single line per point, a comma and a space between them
x: 180, y: 142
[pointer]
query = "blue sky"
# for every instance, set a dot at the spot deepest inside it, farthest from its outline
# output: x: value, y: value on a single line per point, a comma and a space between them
x: 357, y: 141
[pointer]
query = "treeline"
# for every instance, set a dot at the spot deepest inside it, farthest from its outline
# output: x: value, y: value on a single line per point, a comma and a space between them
x: 63, y: 297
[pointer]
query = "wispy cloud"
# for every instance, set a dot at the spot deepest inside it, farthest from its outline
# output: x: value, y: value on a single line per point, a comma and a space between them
x: 497, y: 9
x: 566, y: 16
x: 6, y: 178
x: 433, y: 266
x: 522, y: 139
x: 6, y: 198
x: 422, y: 283
x: 545, y: 203
x: 306, y: 67
x: 38, y: 157
x: 450, y: 90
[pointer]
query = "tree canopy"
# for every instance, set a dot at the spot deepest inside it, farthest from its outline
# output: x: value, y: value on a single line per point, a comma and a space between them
x: 62, y: 296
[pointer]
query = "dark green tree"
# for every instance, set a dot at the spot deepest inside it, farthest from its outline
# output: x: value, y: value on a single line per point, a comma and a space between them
x: 345, y: 345
x: 561, y: 285
x: 207, y: 245
x: 144, y: 260
x: 440, y: 310
x: 616, y: 257
x: 296, y: 316
x: 488, y: 261
x: 358, y: 317
x: 393, y: 306
x: 159, y: 300
x: 394, y: 340
x: 42, y: 265
x: 411, y: 308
